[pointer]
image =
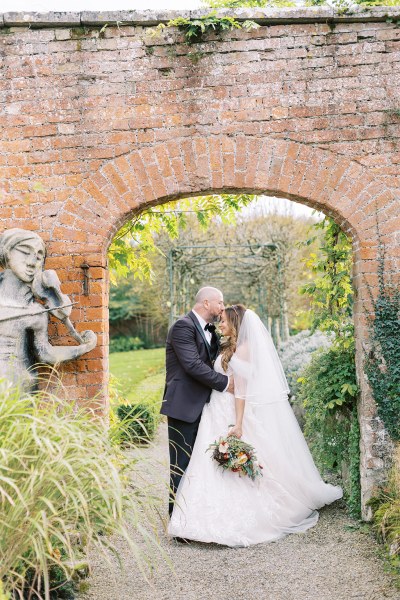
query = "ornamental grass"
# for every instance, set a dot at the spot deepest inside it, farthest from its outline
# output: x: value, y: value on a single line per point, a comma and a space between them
x: 387, y: 511
x: 64, y: 490
x: 386, y: 514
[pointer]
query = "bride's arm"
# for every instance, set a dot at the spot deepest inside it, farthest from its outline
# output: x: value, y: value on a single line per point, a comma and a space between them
x: 239, y: 409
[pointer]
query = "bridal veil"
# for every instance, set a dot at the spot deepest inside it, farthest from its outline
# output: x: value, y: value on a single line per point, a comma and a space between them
x: 260, y: 380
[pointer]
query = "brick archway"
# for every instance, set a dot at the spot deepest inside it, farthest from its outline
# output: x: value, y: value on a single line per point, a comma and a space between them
x: 136, y: 121
x: 167, y: 171
x: 153, y: 175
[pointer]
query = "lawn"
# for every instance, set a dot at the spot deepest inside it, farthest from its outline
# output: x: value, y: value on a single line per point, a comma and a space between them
x: 140, y: 374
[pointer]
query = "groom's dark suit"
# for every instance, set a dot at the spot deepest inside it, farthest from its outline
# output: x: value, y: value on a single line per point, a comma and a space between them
x: 189, y: 380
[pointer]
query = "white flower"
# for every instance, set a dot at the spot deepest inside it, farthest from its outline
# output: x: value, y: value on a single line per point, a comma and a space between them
x: 242, y: 458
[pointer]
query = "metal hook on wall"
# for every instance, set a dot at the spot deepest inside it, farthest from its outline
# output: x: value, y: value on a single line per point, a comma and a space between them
x: 86, y: 279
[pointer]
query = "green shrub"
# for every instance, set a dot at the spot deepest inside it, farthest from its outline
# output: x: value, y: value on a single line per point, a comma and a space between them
x: 135, y: 422
x: 123, y: 343
x: 63, y: 489
x: 328, y: 392
x: 61, y: 586
x: 138, y: 422
x: 328, y: 384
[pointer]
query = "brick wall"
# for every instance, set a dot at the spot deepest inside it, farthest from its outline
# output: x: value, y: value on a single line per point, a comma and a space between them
x: 99, y: 119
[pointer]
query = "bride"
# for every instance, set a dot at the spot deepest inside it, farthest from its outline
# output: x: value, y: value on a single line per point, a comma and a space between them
x: 218, y: 506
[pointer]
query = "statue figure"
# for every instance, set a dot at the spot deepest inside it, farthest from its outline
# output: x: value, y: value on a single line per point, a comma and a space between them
x: 24, y: 285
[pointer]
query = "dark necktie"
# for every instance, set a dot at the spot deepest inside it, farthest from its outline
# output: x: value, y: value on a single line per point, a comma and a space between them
x: 209, y: 327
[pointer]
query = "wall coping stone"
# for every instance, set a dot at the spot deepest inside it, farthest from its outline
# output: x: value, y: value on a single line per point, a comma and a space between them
x: 150, y: 18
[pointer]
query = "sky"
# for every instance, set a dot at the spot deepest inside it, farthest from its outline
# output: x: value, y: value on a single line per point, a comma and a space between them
x: 80, y: 5
x: 265, y: 205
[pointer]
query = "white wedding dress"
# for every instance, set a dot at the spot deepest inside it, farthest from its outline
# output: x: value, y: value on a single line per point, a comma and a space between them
x: 214, y: 505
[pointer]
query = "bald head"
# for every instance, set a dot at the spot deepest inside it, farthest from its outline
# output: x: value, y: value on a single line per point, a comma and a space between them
x: 209, y: 303
x: 207, y: 293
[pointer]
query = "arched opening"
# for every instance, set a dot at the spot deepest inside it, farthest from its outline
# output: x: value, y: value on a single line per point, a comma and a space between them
x: 259, y: 260
x: 198, y: 166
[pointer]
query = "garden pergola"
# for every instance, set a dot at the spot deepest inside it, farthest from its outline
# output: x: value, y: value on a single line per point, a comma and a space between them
x: 249, y: 273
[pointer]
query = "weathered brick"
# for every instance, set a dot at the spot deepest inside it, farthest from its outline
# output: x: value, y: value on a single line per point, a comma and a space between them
x: 294, y: 109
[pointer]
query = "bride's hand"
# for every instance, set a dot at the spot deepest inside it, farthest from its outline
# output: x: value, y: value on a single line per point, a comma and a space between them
x: 236, y: 430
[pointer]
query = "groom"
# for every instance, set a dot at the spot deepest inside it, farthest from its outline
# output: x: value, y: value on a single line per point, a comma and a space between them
x: 191, y: 349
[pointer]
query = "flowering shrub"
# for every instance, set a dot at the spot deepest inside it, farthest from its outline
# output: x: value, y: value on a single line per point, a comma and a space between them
x: 296, y: 354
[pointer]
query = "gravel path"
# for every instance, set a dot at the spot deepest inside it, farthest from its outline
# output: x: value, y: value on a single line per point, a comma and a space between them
x: 336, y: 560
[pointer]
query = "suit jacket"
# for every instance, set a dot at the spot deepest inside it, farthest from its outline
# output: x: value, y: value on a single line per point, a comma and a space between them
x: 190, y: 375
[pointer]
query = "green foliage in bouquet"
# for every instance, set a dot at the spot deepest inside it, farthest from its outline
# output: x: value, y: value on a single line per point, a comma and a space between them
x: 232, y: 454
x: 63, y: 489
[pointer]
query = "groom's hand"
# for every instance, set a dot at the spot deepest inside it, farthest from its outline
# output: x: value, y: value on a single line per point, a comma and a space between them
x: 231, y: 386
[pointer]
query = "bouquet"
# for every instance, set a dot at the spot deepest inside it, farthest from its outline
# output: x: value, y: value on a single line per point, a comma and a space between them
x: 233, y: 454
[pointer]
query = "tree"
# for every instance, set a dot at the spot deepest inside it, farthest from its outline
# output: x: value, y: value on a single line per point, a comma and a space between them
x: 133, y: 248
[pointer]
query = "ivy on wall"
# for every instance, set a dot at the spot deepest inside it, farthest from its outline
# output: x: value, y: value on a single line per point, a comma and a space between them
x: 382, y: 364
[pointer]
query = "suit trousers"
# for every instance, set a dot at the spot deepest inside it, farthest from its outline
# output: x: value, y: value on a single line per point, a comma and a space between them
x: 181, y: 437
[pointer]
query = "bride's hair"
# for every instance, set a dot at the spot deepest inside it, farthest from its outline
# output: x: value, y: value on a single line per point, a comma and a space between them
x: 234, y: 315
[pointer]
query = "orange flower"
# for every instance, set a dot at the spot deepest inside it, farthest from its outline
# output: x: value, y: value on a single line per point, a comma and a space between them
x: 242, y: 458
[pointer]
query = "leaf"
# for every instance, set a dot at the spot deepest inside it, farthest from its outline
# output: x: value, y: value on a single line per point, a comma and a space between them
x: 248, y: 25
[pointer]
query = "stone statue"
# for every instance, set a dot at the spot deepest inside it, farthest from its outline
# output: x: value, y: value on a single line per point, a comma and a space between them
x: 24, y: 320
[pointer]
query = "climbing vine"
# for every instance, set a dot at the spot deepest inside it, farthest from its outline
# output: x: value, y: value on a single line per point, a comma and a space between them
x: 328, y: 386
x: 382, y: 364
x: 330, y: 291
